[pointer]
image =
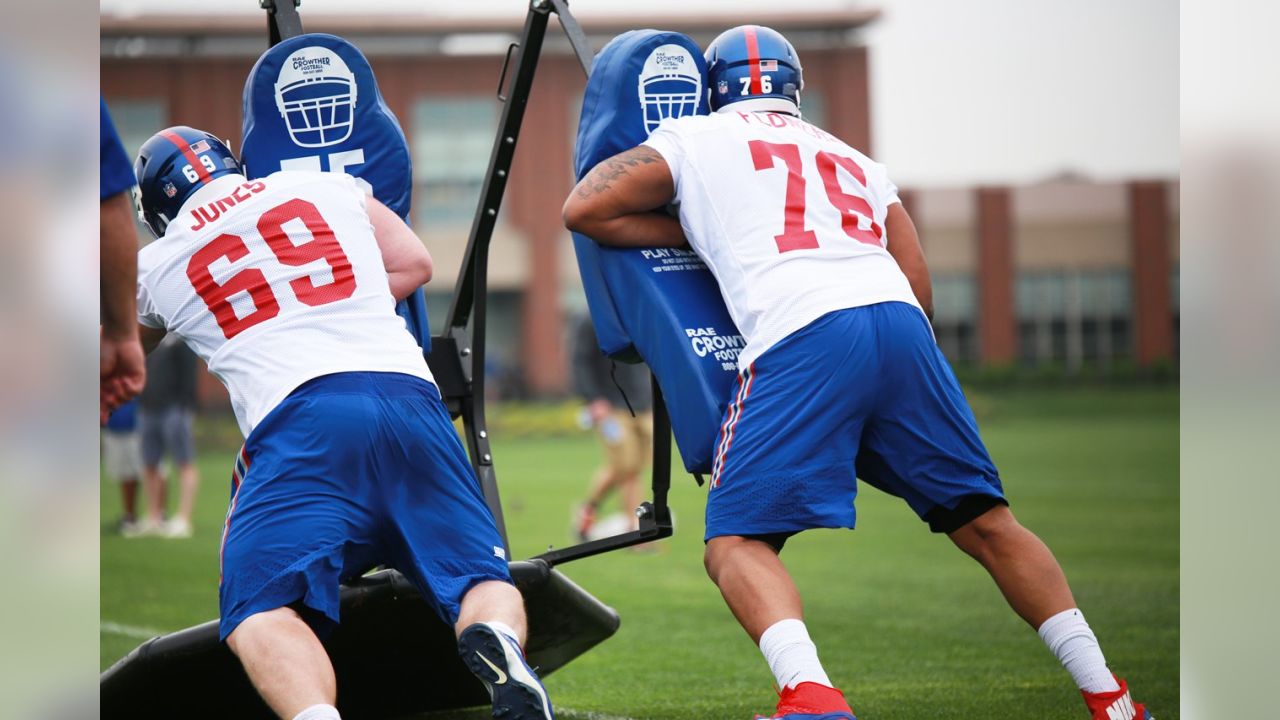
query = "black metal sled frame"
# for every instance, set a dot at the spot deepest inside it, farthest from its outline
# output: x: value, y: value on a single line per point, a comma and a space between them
x: 457, y: 355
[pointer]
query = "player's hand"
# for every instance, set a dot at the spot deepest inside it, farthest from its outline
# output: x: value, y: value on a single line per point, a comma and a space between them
x: 124, y: 372
x: 599, y: 409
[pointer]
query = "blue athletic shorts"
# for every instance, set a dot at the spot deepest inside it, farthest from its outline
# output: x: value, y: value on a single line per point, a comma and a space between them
x: 858, y: 393
x: 350, y: 471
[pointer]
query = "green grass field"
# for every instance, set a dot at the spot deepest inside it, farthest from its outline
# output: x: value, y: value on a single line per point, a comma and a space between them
x: 905, y: 624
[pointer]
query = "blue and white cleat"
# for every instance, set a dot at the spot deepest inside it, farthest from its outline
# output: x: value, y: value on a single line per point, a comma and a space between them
x: 496, y: 658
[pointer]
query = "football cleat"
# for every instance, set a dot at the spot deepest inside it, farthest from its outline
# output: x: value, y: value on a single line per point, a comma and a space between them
x: 811, y: 701
x: 496, y: 658
x: 1115, y: 705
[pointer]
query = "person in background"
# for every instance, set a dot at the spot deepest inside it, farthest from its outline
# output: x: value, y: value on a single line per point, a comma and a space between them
x: 166, y: 419
x: 607, y: 387
x: 122, y: 461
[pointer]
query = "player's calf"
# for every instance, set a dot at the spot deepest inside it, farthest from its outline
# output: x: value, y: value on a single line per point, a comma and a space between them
x: 286, y: 664
x: 1033, y: 583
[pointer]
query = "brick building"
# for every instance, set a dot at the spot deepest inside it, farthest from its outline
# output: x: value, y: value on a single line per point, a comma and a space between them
x: 1067, y: 272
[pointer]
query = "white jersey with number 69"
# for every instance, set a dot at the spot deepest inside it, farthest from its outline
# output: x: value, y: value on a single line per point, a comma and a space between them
x: 274, y: 282
x: 788, y: 218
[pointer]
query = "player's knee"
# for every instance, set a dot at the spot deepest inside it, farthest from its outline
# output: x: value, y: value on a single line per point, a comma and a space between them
x: 996, y: 523
x: 982, y: 535
x: 713, y: 555
x: 261, y: 627
x: 718, y: 552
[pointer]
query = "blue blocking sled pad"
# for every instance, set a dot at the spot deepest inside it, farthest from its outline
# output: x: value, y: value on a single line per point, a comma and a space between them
x: 312, y: 103
x: 660, y: 304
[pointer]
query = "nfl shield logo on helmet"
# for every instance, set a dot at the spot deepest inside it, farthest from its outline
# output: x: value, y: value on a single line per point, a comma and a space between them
x: 170, y: 190
x: 723, y: 87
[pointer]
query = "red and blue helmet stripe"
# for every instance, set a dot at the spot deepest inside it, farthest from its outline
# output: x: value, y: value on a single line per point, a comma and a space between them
x: 171, y: 166
x: 750, y: 62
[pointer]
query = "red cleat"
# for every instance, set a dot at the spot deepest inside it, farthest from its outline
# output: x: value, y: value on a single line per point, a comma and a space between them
x: 1115, y: 705
x: 811, y: 701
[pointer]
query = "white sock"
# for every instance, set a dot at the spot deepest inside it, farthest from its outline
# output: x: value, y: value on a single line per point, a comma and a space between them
x: 319, y: 712
x: 1074, y: 644
x: 791, y: 655
x: 505, y: 629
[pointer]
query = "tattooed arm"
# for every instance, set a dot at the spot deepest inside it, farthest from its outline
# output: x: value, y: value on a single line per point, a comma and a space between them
x: 621, y: 202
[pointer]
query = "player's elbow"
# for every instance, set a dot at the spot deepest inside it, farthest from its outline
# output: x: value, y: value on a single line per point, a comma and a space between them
x: 587, y: 216
x: 428, y: 271
x: 424, y: 268
x: 575, y: 214
x: 410, y: 272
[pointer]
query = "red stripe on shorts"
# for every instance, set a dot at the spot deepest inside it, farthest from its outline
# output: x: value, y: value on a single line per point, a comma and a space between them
x: 730, y: 415
x: 236, y: 480
x: 728, y: 441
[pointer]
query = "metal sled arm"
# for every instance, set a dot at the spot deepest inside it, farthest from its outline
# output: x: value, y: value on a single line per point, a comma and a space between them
x: 283, y: 21
x: 457, y: 356
x: 655, y: 516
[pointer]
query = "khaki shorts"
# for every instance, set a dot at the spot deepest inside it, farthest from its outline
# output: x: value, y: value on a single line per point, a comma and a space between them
x: 121, y: 455
x: 627, y: 441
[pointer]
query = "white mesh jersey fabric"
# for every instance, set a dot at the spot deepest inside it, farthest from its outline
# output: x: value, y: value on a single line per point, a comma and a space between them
x: 274, y: 282
x: 789, y: 219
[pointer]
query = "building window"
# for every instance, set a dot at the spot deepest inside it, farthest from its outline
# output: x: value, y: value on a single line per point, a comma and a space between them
x: 138, y: 120
x: 1070, y: 319
x: 814, y: 108
x: 452, y: 140
x: 954, y: 320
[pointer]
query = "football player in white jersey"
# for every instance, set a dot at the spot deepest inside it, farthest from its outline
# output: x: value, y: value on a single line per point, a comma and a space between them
x: 841, y: 377
x: 286, y: 286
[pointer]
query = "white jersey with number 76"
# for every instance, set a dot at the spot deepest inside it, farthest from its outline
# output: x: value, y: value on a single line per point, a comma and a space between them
x: 789, y: 219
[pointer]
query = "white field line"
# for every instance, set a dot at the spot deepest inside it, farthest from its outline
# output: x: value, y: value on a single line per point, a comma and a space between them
x: 585, y: 715
x: 133, y: 631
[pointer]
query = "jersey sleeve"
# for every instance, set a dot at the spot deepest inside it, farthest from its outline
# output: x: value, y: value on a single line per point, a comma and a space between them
x: 886, y: 192
x: 667, y: 143
x: 116, y: 173
x: 147, y: 314
x: 362, y: 193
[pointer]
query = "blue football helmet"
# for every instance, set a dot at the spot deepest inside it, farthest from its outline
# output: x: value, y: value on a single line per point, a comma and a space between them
x: 751, y: 62
x: 171, y: 166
